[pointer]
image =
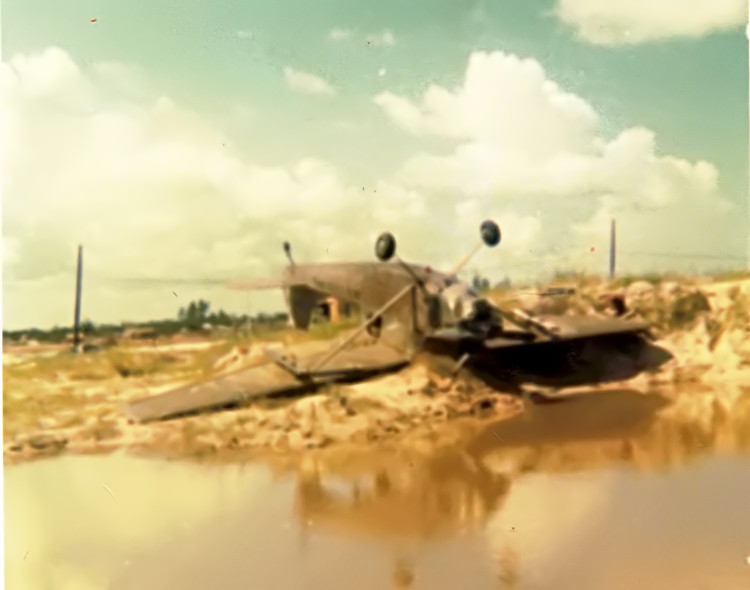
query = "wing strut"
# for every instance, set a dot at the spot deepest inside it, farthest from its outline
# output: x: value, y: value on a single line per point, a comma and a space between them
x: 336, y: 349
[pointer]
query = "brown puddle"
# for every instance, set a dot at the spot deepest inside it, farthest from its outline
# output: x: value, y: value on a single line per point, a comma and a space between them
x: 610, y: 490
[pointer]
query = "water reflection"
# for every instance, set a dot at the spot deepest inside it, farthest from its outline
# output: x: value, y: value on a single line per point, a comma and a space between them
x: 552, y: 479
x: 415, y: 501
x: 582, y: 494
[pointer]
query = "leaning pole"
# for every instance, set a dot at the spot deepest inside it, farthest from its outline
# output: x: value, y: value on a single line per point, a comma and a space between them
x: 77, y: 316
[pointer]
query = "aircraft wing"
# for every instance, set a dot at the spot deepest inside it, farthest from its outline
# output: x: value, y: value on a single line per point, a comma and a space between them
x: 563, y: 328
x: 284, y: 377
x: 589, y: 326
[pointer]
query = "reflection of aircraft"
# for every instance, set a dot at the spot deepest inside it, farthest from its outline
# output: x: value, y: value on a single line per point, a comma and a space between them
x: 421, y: 501
x: 414, y: 310
x: 454, y: 486
x: 403, y: 501
x: 399, y: 497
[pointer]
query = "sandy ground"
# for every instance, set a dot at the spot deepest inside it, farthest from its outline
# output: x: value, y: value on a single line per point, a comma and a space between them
x: 84, y: 415
x: 72, y: 403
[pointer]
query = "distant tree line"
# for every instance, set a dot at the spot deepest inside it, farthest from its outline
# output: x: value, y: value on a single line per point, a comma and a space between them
x: 195, y: 317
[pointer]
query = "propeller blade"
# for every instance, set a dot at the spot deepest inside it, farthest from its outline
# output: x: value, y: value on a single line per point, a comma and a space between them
x: 234, y: 284
x: 163, y: 281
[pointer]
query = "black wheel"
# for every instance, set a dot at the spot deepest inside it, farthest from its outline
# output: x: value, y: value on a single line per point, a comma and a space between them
x: 385, y: 247
x: 490, y: 233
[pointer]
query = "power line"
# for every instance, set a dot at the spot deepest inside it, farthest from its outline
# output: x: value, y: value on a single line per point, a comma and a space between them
x: 685, y: 255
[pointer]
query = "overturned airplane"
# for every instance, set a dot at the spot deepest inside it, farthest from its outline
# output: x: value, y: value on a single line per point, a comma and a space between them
x: 415, y: 312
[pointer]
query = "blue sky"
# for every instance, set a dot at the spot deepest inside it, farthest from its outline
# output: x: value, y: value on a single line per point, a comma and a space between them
x: 209, y: 132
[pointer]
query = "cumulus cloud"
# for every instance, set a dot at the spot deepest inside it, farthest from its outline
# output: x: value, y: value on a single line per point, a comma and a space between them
x: 385, y: 38
x: 521, y: 139
x: 149, y: 188
x: 639, y: 21
x: 153, y: 190
x: 499, y: 93
x: 340, y: 34
x: 307, y: 83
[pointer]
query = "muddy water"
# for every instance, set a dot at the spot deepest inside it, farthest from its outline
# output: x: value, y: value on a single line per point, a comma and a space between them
x: 617, y: 490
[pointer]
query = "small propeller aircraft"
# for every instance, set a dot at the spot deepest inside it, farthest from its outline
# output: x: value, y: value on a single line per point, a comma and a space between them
x: 414, y: 312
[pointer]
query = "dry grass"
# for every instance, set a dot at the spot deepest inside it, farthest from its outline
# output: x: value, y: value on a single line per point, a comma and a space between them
x: 129, y: 364
x: 652, y: 278
x: 58, y: 391
x: 63, y: 390
x: 736, y: 275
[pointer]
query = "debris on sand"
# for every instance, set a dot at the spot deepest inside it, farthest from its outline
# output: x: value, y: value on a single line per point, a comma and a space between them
x: 73, y: 402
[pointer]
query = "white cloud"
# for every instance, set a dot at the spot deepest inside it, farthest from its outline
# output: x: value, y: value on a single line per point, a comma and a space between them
x: 148, y: 188
x: 245, y: 34
x: 152, y: 189
x: 639, y: 21
x: 519, y: 233
x: 521, y: 139
x: 340, y: 34
x: 307, y: 83
x: 385, y: 38
x: 692, y: 234
x: 499, y: 92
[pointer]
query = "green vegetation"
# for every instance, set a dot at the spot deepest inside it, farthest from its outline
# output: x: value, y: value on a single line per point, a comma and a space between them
x: 195, y: 318
x: 196, y: 315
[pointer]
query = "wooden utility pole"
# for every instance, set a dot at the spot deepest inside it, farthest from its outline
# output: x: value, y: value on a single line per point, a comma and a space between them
x: 612, y: 248
x: 77, y: 317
